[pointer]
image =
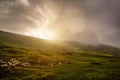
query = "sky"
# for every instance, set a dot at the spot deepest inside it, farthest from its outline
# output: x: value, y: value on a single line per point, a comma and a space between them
x: 85, y: 21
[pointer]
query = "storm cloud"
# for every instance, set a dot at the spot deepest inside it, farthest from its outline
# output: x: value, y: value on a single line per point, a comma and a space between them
x: 86, y: 21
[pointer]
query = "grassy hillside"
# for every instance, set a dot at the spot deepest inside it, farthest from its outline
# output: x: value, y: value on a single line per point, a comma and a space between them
x: 38, y: 59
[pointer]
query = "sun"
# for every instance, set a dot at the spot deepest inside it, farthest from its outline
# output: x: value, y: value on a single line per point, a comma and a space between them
x: 44, y: 34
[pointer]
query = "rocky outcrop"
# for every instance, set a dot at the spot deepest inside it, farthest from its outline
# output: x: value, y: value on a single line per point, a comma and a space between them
x: 26, y: 64
x: 6, y: 66
x: 15, y: 61
x: 58, y: 63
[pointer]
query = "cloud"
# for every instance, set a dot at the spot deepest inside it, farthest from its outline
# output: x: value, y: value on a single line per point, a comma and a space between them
x: 24, y: 2
x: 87, y: 21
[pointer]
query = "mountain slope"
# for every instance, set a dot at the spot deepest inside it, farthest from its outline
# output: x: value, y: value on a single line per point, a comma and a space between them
x: 38, y: 59
x: 30, y: 42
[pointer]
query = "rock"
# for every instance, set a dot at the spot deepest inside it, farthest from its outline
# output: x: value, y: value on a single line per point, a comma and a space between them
x: 11, y: 65
x: 39, y: 61
x: 60, y: 63
x: 15, y: 61
x: 4, y: 65
x: 26, y: 64
x: 52, y: 64
x: 4, y: 68
x: 2, y: 62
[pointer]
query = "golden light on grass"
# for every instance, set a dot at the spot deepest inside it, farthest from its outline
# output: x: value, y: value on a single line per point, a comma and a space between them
x: 44, y: 34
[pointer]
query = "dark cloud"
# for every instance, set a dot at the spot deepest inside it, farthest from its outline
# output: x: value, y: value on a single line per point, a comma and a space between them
x: 87, y: 21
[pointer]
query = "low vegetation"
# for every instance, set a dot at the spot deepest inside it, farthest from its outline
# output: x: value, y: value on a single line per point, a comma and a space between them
x: 27, y: 58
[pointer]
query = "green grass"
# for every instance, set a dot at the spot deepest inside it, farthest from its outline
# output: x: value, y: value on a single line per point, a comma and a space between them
x: 70, y: 63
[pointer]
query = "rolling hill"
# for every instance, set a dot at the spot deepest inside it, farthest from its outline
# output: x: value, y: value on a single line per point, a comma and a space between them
x: 28, y: 58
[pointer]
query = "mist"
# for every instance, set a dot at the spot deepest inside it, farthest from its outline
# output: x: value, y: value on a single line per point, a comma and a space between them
x: 85, y: 21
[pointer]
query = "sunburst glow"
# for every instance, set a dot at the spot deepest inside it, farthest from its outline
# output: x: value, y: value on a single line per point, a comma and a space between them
x: 44, y: 34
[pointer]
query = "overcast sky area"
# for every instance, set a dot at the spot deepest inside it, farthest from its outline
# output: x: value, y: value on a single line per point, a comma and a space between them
x: 86, y: 21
